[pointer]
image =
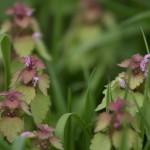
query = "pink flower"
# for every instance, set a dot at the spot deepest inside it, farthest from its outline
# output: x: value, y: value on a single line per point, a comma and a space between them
x: 119, y: 105
x: 19, y: 10
x: 29, y: 74
x: 32, y: 62
x: 12, y: 105
x: 45, y: 132
x: 11, y: 95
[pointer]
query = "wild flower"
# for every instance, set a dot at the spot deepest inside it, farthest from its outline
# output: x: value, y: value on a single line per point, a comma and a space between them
x: 23, y: 29
x: 112, y: 125
x: 44, y: 137
x: 138, y: 68
x: 12, y: 105
x: 12, y: 109
x: 21, y: 14
x: 30, y: 76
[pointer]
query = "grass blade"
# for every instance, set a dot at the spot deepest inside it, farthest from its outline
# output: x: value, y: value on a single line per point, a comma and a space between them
x: 145, y: 41
x: 5, y: 46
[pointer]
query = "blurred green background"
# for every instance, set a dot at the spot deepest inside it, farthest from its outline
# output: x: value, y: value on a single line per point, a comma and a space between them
x: 82, y: 35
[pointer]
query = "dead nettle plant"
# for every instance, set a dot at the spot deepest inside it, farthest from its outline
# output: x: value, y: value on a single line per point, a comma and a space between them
x: 24, y: 31
x: 125, y: 122
x: 116, y: 128
x: 133, y: 80
x: 26, y: 94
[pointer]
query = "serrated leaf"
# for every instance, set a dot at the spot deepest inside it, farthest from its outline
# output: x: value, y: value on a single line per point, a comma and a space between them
x: 23, y: 45
x: 100, y: 142
x: 40, y: 107
x: 103, y: 121
x: 128, y: 136
x: 135, y: 81
x: 16, y: 65
x: 14, y: 79
x: 10, y: 127
x: 28, y: 92
x: 56, y: 143
x: 44, y: 83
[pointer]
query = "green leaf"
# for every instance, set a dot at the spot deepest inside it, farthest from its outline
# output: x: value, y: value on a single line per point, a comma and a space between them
x: 28, y: 92
x: 61, y: 124
x: 42, y: 50
x: 23, y: 45
x: 100, y: 142
x: 15, y: 78
x: 10, y: 127
x: 127, y: 136
x: 40, y: 107
x: 4, y: 144
x: 135, y: 81
x: 5, y: 46
x: 18, y: 144
x: 44, y: 83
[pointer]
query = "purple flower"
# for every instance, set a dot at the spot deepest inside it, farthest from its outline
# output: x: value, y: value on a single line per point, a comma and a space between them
x: 28, y: 134
x: 32, y: 62
x: 35, y: 80
x: 19, y: 10
x: 116, y: 124
x: 122, y: 83
x: 144, y: 62
x: 36, y: 35
x: 27, y: 61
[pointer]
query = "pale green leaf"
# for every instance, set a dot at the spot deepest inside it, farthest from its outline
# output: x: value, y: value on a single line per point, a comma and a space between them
x: 14, y: 79
x: 11, y: 127
x: 40, y: 107
x: 23, y: 45
x: 28, y: 92
x: 44, y: 83
x: 128, y: 136
x: 135, y: 81
x: 100, y: 142
x: 56, y: 143
x: 103, y: 121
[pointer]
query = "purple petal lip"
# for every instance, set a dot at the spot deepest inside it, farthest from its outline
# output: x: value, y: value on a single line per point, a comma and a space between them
x: 121, y: 83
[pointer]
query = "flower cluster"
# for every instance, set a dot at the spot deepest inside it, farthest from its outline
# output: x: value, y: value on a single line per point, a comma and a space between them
x: 12, y: 105
x: 117, y: 119
x: 21, y: 14
x: 112, y: 125
x: 23, y: 29
x: 138, y: 69
x: 30, y: 77
x: 44, y: 137
x: 29, y: 74
x: 12, y: 109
